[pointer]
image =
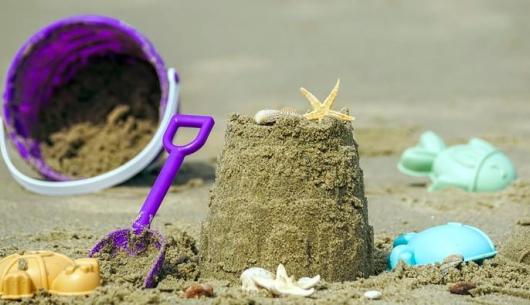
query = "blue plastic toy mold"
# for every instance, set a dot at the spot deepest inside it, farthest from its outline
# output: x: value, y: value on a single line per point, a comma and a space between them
x: 434, y: 244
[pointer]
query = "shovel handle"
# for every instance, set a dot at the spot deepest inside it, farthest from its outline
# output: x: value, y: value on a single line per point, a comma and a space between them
x: 204, y: 123
x: 173, y: 162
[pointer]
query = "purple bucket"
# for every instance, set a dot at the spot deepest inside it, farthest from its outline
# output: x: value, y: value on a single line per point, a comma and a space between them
x: 50, y: 58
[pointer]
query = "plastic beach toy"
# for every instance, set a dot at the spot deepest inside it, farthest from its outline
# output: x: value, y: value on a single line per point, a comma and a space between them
x: 435, y: 244
x: 475, y: 167
x: 49, y: 59
x: 121, y: 239
x: 21, y: 275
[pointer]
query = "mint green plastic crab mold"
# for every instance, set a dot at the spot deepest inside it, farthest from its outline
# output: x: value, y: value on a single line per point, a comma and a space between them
x: 475, y: 167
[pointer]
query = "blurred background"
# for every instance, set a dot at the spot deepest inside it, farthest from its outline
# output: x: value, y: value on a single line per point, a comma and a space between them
x: 445, y: 64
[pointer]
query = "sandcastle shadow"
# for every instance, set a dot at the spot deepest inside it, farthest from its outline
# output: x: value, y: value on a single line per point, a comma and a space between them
x: 191, y: 172
x: 380, y: 257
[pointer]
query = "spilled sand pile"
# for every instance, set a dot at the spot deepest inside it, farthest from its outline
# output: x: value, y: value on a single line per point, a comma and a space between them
x: 122, y: 275
x: 180, y: 263
x: 292, y: 193
x: 101, y: 118
x: 121, y: 268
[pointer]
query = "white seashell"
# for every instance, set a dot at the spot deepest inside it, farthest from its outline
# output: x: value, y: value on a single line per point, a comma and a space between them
x: 267, y: 116
x: 281, y: 285
x: 373, y: 294
x: 453, y: 260
x: 247, y: 278
x: 308, y: 282
x: 290, y: 111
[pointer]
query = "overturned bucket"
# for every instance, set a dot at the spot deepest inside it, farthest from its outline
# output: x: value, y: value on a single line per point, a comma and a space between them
x: 49, y: 61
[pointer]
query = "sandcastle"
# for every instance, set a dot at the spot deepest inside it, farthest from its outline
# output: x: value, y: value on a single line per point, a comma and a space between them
x: 290, y: 192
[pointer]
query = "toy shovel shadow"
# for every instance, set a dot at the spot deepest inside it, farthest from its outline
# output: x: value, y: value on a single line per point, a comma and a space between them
x: 137, y: 239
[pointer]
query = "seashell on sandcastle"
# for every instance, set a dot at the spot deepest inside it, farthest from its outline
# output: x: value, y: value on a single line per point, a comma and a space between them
x: 289, y: 192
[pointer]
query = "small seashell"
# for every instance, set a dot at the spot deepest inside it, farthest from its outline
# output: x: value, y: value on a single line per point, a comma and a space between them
x: 198, y: 290
x: 279, y: 285
x: 289, y: 111
x: 451, y: 261
x: 284, y: 285
x: 269, y: 116
x: 373, y: 294
x: 247, y: 278
x: 308, y: 282
x: 461, y: 288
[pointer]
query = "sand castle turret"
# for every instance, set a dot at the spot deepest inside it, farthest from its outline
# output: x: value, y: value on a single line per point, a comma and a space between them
x: 290, y: 192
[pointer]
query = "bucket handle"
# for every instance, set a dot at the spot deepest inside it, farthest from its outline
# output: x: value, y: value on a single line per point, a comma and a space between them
x: 108, y: 179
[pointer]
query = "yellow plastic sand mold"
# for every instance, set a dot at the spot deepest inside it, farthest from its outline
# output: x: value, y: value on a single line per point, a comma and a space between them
x: 22, y: 275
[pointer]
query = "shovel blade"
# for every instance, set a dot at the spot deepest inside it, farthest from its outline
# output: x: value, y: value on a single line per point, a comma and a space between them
x: 125, y: 240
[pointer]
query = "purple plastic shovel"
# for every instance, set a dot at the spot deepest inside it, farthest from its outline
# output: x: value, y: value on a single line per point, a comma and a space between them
x: 121, y: 239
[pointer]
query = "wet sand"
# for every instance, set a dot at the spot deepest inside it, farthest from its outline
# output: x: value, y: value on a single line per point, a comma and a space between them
x: 459, y: 69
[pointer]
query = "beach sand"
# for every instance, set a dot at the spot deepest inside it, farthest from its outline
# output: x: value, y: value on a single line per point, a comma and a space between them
x: 460, y: 69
